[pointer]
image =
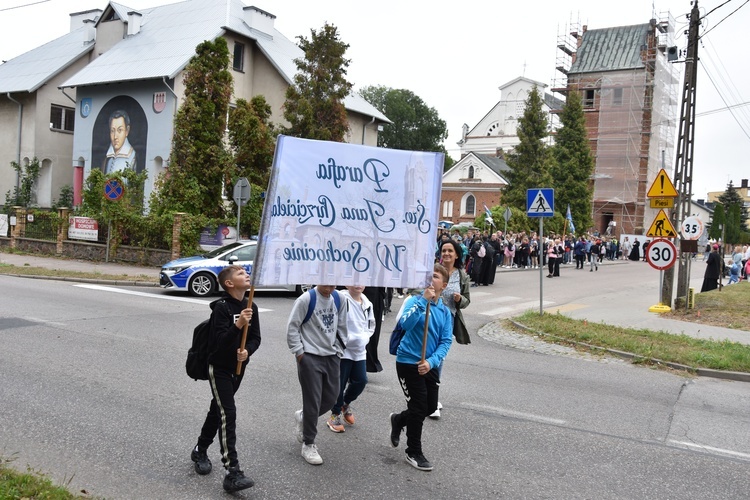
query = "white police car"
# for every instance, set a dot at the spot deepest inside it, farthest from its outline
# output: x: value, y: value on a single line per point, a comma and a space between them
x: 199, y: 274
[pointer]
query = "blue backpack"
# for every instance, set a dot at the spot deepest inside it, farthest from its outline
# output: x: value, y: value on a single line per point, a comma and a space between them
x: 396, y: 335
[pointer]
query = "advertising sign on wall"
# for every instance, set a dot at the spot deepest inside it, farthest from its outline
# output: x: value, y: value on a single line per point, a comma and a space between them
x: 83, y: 228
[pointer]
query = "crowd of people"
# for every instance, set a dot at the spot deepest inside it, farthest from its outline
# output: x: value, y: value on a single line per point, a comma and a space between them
x: 484, y: 252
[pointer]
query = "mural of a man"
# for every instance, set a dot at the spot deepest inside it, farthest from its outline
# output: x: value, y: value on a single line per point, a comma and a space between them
x: 120, y: 155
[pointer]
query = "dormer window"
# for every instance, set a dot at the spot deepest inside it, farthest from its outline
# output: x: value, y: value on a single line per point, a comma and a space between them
x: 471, y: 171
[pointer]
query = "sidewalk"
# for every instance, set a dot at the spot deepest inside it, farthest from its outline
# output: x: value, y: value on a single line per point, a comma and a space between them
x: 137, y: 273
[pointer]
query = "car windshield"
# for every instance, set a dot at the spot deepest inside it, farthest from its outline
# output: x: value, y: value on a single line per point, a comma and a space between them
x: 219, y: 251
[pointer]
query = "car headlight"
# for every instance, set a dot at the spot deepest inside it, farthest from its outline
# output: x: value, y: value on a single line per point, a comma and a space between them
x: 176, y: 269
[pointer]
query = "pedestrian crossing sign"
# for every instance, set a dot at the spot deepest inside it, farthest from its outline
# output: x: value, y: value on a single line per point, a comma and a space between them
x: 540, y: 202
x: 661, y: 227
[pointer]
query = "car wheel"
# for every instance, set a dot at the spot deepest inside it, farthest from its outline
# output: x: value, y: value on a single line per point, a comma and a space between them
x: 300, y: 289
x: 202, y: 285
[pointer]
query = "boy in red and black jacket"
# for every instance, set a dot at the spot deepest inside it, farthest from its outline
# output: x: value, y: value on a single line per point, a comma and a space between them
x: 229, y: 316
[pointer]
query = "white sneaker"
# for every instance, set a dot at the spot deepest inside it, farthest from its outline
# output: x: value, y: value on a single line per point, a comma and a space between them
x: 311, y: 455
x: 400, y: 296
x: 298, y: 421
x: 436, y: 414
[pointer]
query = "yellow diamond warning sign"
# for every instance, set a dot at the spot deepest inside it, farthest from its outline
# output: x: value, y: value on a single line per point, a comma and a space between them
x: 661, y: 227
x: 662, y: 186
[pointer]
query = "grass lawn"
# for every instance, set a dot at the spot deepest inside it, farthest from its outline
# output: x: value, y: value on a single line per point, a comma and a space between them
x: 60, y: 273
x: 29, y: 485
x: 729, y: 308
x: 664, y: 346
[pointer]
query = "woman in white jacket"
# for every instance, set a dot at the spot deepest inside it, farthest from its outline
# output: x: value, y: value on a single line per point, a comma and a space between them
x: 360, y: 325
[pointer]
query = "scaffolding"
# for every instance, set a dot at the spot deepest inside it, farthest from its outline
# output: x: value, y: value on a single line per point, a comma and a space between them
x: 631, y: 122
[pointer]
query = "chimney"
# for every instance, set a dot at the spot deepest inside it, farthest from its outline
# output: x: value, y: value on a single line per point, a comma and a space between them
x: 77, y: 19
x: 89, y: 31
x: 134, y: 22
x: 744, y: 183
x: 259, y: 19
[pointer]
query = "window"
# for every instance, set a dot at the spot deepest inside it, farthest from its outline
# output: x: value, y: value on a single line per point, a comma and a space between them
x: 61, y: 118
x: 617, y: 96
x: 471, y: 171
x: 470, y: 205
x: 239, y: 57
x: 588, y: 98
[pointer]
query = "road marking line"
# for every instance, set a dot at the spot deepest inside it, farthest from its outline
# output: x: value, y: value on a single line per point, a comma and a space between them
x: 524, y: 306
x: 567, y: 308
x: 153, y: 295
x: 702, y: 447
x: 514, y: 414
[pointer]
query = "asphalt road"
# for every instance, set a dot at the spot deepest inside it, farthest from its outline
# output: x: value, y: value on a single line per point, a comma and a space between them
x: 94, y: 394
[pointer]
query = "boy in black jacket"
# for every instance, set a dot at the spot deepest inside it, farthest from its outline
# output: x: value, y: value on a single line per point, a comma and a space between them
x: 229, y: 316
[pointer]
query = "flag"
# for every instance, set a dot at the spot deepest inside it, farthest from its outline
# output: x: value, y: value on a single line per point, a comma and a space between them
x: 488, y: 216
x: 570, y: 220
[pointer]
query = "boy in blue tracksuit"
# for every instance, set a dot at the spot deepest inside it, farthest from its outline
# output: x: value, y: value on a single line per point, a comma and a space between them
x: 419, y: 379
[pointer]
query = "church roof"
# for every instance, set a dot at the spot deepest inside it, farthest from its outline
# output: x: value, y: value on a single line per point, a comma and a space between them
x: 611, y: 49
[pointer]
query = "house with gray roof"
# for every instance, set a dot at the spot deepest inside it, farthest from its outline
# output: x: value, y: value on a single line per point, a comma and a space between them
x: 128, y: 64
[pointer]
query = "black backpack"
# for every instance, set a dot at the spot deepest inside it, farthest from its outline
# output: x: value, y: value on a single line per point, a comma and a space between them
x: 196, y: 364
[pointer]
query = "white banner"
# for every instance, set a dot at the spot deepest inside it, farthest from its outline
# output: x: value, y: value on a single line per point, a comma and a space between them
x: 83, y: 228
x: 343, y: 214
x: 3, y: 224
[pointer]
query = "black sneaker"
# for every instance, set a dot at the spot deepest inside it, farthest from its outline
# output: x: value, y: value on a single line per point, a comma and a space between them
x: 202, y: 463
x: 395, y: 431
x: 418, y: 461
x: 235, y: 480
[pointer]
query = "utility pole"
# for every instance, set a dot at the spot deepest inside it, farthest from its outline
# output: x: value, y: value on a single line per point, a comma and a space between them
x: 684, y: 164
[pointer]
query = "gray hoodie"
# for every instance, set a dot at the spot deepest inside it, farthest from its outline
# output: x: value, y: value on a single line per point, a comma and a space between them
x: 318, y: 335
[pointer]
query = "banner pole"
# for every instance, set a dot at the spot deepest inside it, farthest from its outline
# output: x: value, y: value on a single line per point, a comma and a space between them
x: 426, y: 328
x: 243, y: 340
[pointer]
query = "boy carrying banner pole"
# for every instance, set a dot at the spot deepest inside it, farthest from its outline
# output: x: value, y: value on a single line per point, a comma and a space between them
x: 429, y: 334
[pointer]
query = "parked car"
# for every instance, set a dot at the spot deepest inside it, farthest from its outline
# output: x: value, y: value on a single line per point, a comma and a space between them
x: 199, y: 274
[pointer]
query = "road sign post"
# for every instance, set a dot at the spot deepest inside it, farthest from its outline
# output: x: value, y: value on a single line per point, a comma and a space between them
x: 241, y: 196
x: 540, y: 202
x: 661, y: 254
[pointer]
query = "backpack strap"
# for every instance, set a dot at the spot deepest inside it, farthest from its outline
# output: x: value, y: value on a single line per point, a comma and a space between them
x: 314, y: 300
x: 311, y: 305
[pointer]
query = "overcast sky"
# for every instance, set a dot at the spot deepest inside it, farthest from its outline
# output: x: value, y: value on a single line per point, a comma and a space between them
x: 456, y: 55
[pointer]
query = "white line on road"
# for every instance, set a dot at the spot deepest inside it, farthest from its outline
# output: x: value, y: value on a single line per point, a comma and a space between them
x: 152, y: 295
x: 514, y: 414
x: 516, y: 307
x: 710, y: 449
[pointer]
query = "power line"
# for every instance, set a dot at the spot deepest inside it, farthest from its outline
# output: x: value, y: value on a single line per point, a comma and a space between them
x: 24, y: 5
x: 718, y: 110
x: 722, y: 98
x: 729, y: 15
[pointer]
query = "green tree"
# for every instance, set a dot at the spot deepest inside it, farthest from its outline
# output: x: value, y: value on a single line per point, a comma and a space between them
x: 199, y: 165
x: 573, y: 166
x: 252, y: 138
x: 732, y: 197
x: 314, y: 105
x: 530, y: 161
x: 28, y: 174
x: 717, y: 222
x: 733, y: 221
x: 415, y: 127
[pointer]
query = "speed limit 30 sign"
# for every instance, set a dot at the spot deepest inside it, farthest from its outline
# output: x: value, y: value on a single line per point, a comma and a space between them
x: 661, y: 254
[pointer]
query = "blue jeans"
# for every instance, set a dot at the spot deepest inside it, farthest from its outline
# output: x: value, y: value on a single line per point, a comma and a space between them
x: 355, y: 373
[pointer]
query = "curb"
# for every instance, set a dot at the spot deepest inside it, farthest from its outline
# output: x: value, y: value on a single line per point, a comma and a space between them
x: 86, y: 280
x: 701, y: 372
